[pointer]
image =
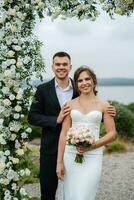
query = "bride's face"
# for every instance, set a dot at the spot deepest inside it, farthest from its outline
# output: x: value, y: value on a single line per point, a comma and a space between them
x: 85, y: 83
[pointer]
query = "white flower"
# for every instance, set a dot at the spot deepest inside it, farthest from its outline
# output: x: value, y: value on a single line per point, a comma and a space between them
x: 2, y: 167
x: 13, y: 137
x: 24, y: 135
x: 14, y: 160
x: 15, y: 41
x: 18, y: 108
x: 22, y: 172
x: 1, y: 122
x: 19, y: 63
x: 2, y: 139
x: 4, y: 181
x: 7, y: 153
x: 17, y: 144
x: 10, y: 174
x: 20, y: 152
x: 8, y: 73
x: 16, y: 116
x: 23, y: 192
x: 29, y: 130
x: 6, y: 102
x: 5, y: 90
x: 11, y: 53
x: 14, y: 187
x: 27, y: 172
x: 41, y: 5
x: 19, y: 96
x: 16, y: 47
x: 12, y: 12
x: 13, y: 28
x: 7, y: 192
x: 15, y: 126
x: 12, y: 97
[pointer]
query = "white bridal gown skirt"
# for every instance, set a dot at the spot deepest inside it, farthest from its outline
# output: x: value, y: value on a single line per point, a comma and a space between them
x: 81, y: 180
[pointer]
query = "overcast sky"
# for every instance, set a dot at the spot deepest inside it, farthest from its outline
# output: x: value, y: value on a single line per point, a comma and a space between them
x: 105, y: 45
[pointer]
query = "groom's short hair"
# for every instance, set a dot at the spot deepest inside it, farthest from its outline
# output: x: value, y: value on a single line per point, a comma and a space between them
x: 62, y: 54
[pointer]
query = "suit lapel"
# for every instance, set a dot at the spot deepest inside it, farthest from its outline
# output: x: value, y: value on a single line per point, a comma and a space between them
x: 74, y: 91
x: 53, y: 95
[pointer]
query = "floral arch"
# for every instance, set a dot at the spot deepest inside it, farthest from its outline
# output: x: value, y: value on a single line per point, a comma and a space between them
x: 20, y: 58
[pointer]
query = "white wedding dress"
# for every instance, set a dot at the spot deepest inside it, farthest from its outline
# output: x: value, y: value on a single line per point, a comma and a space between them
x: 81, y: 180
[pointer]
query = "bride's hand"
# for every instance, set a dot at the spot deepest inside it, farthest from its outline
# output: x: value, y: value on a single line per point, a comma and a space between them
x: 82, y: 149
x: 60, y: 170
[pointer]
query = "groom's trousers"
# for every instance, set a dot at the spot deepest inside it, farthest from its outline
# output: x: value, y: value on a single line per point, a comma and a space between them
x: 48, y: 177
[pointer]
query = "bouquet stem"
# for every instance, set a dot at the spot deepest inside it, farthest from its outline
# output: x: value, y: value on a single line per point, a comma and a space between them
x: 79, y: 158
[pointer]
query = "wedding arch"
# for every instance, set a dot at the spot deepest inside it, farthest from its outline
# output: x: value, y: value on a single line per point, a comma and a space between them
x: 20, y: 58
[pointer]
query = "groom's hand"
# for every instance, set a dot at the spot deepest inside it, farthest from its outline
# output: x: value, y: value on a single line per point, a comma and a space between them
x: 111, y: 110
x: 65, y: 110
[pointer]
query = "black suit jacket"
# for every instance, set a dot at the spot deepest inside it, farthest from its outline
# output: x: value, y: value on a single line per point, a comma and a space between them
x: 44, y: 112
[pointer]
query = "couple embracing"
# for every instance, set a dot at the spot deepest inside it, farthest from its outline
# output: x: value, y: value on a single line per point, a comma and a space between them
x: 61, y: 104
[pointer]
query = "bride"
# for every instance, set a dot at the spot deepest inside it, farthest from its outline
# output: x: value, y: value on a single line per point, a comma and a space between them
x: 80, y: 181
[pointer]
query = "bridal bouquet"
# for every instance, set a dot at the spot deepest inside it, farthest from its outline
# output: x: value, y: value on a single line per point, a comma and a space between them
x: 80, y: 136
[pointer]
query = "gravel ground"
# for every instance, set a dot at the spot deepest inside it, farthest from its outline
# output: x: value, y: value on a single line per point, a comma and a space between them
x: 117, y: 181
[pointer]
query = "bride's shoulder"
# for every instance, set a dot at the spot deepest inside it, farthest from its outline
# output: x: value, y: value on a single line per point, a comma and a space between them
x: 104, y: 105
x: 72, y: 102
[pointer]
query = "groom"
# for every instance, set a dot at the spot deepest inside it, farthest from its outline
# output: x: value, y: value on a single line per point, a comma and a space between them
x: 48, y: 111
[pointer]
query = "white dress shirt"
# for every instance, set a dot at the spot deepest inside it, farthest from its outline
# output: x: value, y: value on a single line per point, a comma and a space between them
x: 64, y: 94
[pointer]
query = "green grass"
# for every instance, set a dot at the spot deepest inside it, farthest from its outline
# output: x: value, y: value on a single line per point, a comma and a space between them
x: 116, y: 146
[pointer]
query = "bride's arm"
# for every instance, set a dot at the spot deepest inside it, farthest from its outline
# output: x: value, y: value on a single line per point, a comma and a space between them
x: 110, y: 129
x: 61, y: 146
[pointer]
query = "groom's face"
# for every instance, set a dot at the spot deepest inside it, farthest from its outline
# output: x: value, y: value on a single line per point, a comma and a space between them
x: 61, y: 67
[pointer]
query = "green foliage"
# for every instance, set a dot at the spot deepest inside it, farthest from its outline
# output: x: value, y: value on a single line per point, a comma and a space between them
x: 116, y: 146
x: 36, y: 131
x: 131, y: 107
x: 124, y: 120
x: 28, y: 162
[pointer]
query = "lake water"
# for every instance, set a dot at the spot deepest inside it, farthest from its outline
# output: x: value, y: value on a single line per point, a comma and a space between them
x: 122, y: 94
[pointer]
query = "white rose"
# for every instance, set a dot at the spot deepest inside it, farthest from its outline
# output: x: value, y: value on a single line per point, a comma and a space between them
x: 7, y: 152
x: 16, y: 116
x: 2, y: 167
x: 24, y: 135
x: 8, y: 73
x: 29, y: 130
x: 19, y: 64
x: 41, y: 5
x: 13, y: 137
x: 12, y: 97
x: 6, y: 102
x: 20, y: 152
x: 14, y: 160
x: 19, y: 96
x: 11, y: 53
x: 12, y: 12
x: 14, y: 186
x: 18, y: 108
x: 23, y: 192
x: 13, y: 28
x: 5, y: 90
x: 5, y: 181
x: 22, y: 172
x: 17, y: 144
x: 27, y: 172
